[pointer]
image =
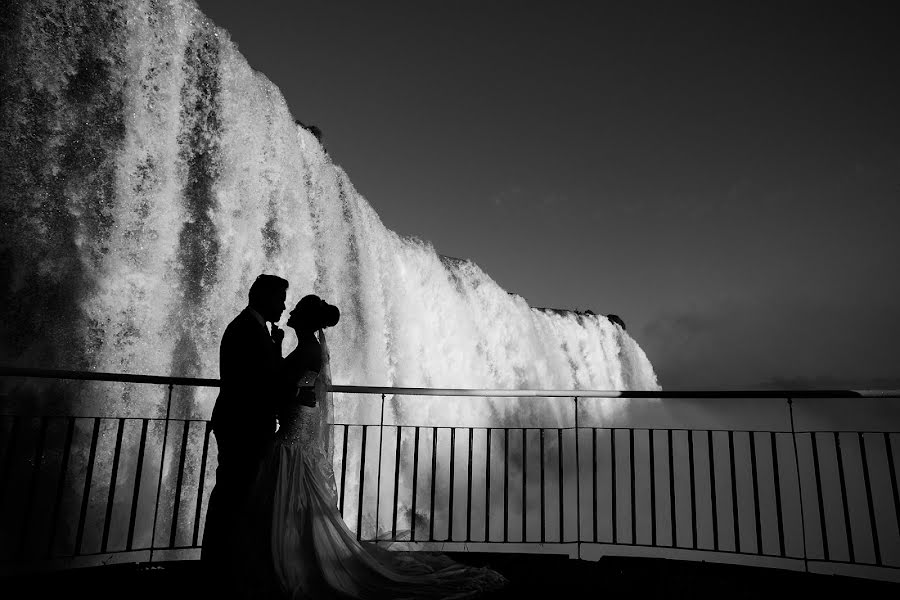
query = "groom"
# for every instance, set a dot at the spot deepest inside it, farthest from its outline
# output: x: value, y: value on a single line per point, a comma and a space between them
x: 243, y: 419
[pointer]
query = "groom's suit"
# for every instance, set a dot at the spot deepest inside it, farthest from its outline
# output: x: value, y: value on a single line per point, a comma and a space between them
x: 243, y: 422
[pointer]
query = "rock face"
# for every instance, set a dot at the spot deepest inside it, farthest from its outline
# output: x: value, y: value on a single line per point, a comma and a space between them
x: 617, y: 320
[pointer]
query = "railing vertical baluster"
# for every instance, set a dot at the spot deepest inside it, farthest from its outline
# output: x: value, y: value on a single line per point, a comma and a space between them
x: 631, y: 468
x: 577, y: 483
x: 201, y: 483
x: 179, y: 482
x: 362, y: 484
x: 839, y: 455
x: 378, y: 479
x: 815, y: 457
x: 734, y: 499
x: 32, y: 488
x: 469, y: 491
x: 893, y: 476
x: 561, y: 482
x: 396, y: 485
x: 162, y: 465
x: 6, y: 472
x: 693, y: 486
x: 712, y: 489
x: 344, y: 469
x: 759, y: 548
x: 506, y: 484
x: 872, y: 525
x: 451, y: 490
x: 790, y: 403
x: 524, y: 481
x: 60, y: 482
x: 11, y: 442
x: 650, y: 436
x: 487, y: 493
x: 674, y: 519
x: 415, y: 486
x: 613, y: 485
x: 110, y: 499
x: 137, y: 484
x: 594, y: 509
x: 89, y: 475
x: 434, y: 435
x: 543, y: 489
x: 777, y: 482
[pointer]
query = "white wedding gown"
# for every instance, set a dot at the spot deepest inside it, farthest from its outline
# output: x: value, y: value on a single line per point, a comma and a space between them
x: 305, y: 550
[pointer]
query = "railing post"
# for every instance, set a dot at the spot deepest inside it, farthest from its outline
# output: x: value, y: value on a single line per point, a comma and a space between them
x: 88, y: 480
x: 207, y: 429
x: 110, y: 499
x: 162, y: 464
x: 60, y: 483
x: 412, y: 531
x: 35, y: 477
x: 362, y: 481
x: 790, y: 404
x: 396, y: 485
x: 378, y: 479
x: 577, y: 485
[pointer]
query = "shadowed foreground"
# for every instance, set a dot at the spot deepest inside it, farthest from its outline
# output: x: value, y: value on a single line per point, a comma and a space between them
x: 530, y: 575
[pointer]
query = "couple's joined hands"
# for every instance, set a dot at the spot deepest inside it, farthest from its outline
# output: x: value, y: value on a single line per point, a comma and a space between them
x: 305, y: 384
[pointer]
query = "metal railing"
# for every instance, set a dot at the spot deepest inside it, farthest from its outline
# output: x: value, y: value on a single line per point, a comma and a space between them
x: 85, y: 488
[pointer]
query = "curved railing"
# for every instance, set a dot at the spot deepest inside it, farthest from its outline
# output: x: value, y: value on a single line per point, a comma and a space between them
x: 84, y: 486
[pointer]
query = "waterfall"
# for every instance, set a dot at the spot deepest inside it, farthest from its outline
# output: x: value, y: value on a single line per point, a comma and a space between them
x: 150, y: 174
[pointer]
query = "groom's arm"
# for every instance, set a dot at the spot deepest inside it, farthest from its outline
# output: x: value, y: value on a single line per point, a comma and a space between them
x: 248, y: 360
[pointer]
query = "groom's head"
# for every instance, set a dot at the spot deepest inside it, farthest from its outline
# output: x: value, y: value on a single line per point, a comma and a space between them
x: 267, y: 296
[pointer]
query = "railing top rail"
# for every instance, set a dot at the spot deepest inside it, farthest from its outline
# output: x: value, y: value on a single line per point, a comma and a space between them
x: 405, y: 391
x: 98, y: 376
x: 721, y: 394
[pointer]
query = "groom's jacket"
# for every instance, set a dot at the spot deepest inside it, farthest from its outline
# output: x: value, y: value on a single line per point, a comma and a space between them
x: 249, y: 363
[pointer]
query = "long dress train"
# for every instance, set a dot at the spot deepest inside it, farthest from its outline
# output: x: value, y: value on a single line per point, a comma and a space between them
x: 311, y: 553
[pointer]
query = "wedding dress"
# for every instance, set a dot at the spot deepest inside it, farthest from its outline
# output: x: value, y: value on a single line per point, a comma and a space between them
x: 306, y: 547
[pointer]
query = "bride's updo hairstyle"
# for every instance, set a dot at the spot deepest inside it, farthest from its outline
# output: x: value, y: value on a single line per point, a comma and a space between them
x: 319, y: 313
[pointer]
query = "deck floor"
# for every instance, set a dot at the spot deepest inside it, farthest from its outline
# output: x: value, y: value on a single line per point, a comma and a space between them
x: 530, y: 575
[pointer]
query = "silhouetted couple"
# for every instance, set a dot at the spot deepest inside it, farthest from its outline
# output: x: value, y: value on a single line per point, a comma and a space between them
x: 273, y: 529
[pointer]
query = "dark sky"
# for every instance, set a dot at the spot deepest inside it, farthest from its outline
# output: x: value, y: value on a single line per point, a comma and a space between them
x: 725, y: 178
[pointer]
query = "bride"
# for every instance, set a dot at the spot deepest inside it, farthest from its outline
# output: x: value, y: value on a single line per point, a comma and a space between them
x: 300, y: 545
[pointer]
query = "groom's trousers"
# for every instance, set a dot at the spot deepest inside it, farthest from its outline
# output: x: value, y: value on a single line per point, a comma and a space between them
x: 223, y: 536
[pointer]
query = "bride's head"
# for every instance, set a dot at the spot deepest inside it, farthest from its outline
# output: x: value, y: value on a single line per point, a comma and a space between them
x: 312, y: 313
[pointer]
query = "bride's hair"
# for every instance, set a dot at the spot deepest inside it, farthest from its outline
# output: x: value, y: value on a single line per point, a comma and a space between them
x: 319, y: 312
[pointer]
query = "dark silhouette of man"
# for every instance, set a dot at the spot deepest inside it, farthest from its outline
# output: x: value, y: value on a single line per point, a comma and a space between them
x: 243, y: 421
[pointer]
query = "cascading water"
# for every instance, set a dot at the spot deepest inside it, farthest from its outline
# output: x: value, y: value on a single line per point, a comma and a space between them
x: 149, y: 174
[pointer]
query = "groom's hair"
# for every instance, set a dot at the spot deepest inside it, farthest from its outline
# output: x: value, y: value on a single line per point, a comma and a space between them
x: 266, y: 286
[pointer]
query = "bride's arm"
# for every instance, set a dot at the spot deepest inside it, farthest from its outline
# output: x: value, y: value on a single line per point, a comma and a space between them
x: 307, y: 379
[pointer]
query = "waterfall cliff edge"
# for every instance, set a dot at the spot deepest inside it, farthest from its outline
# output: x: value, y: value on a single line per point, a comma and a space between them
x: 149, y: 174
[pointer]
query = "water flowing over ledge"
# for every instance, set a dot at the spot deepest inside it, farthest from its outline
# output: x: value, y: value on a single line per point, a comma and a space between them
x: 150, y: 174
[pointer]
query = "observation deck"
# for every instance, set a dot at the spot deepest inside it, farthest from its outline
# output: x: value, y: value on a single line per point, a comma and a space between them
x: 577, y: 492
